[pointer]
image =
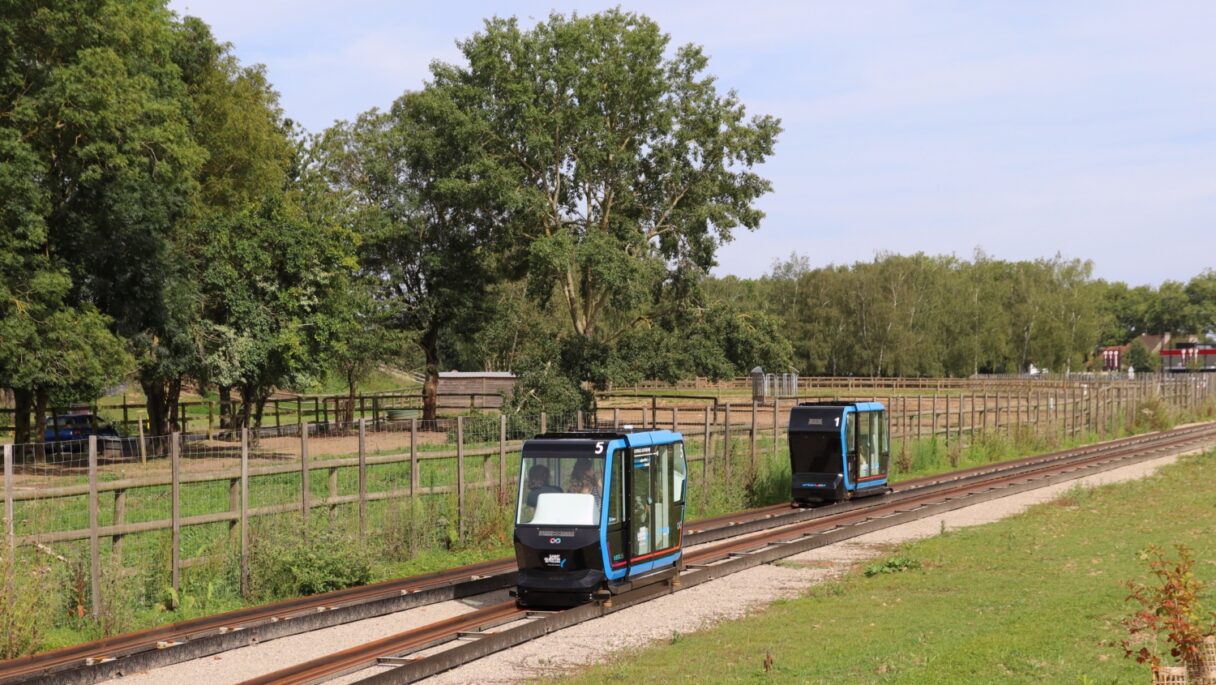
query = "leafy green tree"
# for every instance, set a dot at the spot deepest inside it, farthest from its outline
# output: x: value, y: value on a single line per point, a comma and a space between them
x: 632, y: 167
x: 234, y: 115
x: 358, y: 339
x: 1139, y: 359
x: 425, y: 197
x: 1201, y: 292
x: 98, y: 165
x: 1170, y: 310
x: 269, y: 273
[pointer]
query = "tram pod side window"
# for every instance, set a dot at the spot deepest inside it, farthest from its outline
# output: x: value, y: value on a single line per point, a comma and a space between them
x: 871, y: 442
x: 561, y: 490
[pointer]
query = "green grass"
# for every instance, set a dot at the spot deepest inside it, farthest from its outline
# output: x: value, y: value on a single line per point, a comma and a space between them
x: 1033, y: 599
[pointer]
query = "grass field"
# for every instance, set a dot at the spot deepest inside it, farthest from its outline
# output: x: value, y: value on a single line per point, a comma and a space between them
x: 1037, y: 599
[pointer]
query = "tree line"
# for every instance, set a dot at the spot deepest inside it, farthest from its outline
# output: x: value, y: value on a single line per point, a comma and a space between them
x: 921, y: 315
x: 552, y: 205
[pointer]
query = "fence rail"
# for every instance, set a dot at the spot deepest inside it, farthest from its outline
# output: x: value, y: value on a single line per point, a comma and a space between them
x: 281, y: 415
x: 336, y: 470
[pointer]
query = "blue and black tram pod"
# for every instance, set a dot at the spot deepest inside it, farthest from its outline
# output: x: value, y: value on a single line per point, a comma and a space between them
x: 597, y: 514
x: 838, y: 451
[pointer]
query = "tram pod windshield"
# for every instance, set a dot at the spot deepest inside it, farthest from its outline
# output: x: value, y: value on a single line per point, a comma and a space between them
x: 838, y: 450
x: 561, y: 489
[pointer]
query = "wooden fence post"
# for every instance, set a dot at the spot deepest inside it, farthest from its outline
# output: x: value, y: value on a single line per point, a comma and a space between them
x: 244, y: 511
x: 705, y: 452
x: 544, y: 423
x: 776, y: 419
x: 675, y: 419
x: 502, y: 455
x: 413, y: 456
x: 616, y: 419
x: 726, y: 443
x: 971, y: 426
x: 945, y: 424
x: 10, y: 527
x: 362, y: 476
x: 753, y: 436
x: 460, y: 512
x: 94, y: 541
x: 305, y: 479
x: 654, y: 413
x: 961, y: 398
x: 143, y: 449
x: 175, y: 454
x: 918, y: 422
x: 578, y: 419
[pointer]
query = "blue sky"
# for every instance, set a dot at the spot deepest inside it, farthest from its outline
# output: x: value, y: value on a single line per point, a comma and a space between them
x: 1020, y: 128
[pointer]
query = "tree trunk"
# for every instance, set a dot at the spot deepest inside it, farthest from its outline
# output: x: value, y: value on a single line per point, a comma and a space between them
x: 430, y: 388
x: 348, y: 415
x: 261, y: 405
x: 243, y: 417
x: 225, y: 393
x: 21, y: 415
x: 162, y: 399
x: 40, y: 402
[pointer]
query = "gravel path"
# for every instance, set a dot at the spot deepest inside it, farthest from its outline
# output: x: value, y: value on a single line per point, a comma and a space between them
x: 687, y: 611
x: 234, y: 666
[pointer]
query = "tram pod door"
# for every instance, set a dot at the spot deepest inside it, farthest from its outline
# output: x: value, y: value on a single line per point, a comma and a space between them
x: 656, y: 498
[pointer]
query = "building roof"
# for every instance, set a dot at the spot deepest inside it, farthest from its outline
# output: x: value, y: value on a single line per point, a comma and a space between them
x: 476, y: 374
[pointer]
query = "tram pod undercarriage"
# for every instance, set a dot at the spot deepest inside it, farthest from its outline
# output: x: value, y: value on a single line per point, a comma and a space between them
x: 597, y: 513
x: 838, y: 450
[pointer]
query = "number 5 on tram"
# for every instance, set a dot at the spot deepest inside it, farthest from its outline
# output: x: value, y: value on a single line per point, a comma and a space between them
x: 598, y: 514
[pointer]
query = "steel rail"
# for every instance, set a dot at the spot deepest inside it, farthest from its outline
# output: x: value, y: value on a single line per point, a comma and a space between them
x: 165, y: 645
x: 710, y: 563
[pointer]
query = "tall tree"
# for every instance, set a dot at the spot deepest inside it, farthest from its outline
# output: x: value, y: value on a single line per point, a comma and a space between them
x: 427, y: 200
x: 234, y: 115
x: 99, y: 163
x: 634, y: 167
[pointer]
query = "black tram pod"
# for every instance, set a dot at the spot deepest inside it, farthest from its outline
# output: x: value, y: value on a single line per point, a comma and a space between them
x: 838, y: 450
x: 597, y: 512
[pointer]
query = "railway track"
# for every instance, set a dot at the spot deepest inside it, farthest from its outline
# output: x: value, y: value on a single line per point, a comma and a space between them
x: 709, y: 562
x: 165, y: 645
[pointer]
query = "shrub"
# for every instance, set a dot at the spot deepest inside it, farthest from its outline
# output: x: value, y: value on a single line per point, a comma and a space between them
x: 1169, y: 611
x: 285, y: 563
x: 29, y: 604
x: 1153, y: 414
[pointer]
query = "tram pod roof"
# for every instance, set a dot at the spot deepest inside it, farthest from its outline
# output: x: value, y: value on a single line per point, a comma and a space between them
x: 817, y: 417
x: 563, y: 442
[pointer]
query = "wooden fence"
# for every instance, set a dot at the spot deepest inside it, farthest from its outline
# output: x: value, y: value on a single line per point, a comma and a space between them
x: 720, y: 437
x: 281, y: 414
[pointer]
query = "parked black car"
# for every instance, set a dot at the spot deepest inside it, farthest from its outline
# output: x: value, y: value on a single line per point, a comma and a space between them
x: 72, y: 431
